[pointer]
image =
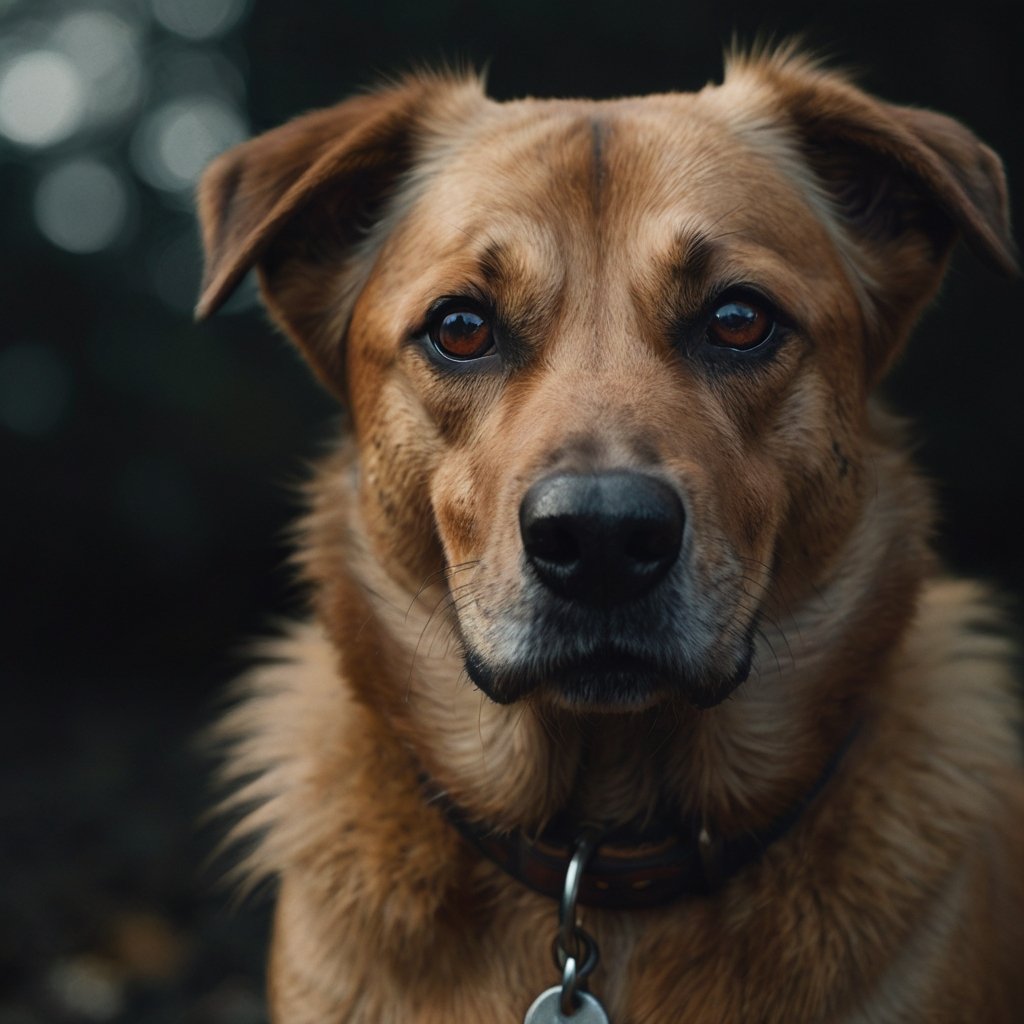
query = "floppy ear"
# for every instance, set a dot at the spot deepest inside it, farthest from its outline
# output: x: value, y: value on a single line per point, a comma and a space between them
x: 904, y: 183
x: 303, y: 204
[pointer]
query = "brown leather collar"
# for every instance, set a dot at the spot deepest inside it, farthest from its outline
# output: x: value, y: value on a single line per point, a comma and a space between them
x: 629, y: 869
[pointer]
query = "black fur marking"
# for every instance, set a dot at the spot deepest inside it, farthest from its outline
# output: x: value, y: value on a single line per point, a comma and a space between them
x: 841, y: 460
x: 598, y: 135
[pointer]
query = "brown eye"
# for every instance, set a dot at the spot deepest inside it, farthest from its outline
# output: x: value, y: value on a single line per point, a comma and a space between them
x: 462, y: 334
x: 740, y: 324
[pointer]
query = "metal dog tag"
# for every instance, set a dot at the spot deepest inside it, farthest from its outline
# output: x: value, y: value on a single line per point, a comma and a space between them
x: 546, y: 1009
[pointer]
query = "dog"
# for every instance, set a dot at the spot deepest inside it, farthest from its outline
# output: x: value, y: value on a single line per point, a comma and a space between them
x: 623, y: 596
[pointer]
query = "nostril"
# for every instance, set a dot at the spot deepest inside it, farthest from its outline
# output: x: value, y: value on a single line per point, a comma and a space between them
x: 650, y: 542
x: 552, y: 540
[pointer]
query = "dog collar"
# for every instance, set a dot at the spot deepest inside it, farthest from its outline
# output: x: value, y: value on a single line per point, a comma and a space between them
x: 628, y: 869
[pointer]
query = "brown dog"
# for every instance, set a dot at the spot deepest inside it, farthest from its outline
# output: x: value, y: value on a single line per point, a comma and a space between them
x: 618, y: 538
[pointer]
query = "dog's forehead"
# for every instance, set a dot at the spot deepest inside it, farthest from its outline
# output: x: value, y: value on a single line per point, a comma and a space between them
x: 647, y: 176
x: 598, y: 196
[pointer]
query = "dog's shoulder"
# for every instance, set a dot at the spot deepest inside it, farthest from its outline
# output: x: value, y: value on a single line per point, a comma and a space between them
x: 288, y: 720
x: 319, y: 787
x: 961, y: 678
x: 959, y: 667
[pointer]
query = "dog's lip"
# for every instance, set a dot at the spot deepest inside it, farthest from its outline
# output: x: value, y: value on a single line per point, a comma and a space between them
x: 610, y: 677
x: 602, y: 668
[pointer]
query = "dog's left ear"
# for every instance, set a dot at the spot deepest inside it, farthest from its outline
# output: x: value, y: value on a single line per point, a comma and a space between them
x: 904, y: 183
x: 303, y: 204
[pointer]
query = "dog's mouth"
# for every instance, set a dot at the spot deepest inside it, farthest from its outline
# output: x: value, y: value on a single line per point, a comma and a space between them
x: 605, y: 679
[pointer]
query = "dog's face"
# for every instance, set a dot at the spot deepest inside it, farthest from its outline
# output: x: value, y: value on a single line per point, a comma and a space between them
x: 607, y: 363
x: 611, y: 377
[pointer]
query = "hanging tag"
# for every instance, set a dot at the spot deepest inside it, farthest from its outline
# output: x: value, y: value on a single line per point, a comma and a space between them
x: 546, y: 1009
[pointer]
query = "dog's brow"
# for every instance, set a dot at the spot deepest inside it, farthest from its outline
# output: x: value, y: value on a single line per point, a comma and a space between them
x: 495, y: 264
x: 690, y: 256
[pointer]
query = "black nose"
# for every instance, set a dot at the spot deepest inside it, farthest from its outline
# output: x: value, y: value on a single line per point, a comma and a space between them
x: 601, y: 538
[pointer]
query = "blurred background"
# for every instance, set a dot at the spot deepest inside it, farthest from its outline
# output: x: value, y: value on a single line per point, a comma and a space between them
x: 148, y: 466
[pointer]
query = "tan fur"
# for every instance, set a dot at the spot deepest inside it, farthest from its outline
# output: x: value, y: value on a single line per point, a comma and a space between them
x: 593, y: 227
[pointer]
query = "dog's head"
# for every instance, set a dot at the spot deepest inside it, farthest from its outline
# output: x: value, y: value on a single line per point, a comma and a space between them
x: 607, y: 363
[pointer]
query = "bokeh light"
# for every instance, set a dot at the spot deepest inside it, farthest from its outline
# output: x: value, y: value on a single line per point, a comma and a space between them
x: 174, y: 144
x: 199, y: 19
x: 35, y: 388
x: 105, y: 50
x: 178, y: 69
x: 41, y: 98
x: 82, y: 205
x: 125, y: 91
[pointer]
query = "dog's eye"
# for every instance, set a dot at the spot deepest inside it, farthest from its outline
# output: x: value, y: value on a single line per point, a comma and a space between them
x: 462, y: 334
x: 740, y: 324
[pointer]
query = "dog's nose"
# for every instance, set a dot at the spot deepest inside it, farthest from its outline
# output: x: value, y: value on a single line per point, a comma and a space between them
x: 601, y: 538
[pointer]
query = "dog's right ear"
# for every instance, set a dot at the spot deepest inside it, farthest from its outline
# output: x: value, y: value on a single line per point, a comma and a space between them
x: 301, y: 202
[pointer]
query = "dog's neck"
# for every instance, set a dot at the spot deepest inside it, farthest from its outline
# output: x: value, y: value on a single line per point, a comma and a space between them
x: 646, y: 864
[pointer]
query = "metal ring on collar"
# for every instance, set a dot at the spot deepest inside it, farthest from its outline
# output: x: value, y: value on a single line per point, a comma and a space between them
x: 585, y: 955
x: 586, y: 844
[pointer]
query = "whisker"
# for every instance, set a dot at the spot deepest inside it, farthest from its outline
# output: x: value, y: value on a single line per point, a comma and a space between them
x: 445, y: 597
x: 448, y: 572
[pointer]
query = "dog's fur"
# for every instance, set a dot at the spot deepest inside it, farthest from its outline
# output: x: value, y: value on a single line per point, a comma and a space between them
x: 598, y: 232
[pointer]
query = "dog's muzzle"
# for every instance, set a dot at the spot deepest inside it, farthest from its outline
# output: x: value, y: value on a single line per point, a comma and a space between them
x: 597, y: 546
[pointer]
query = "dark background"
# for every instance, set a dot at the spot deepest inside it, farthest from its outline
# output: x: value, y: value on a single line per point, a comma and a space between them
x: 147, y: 466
